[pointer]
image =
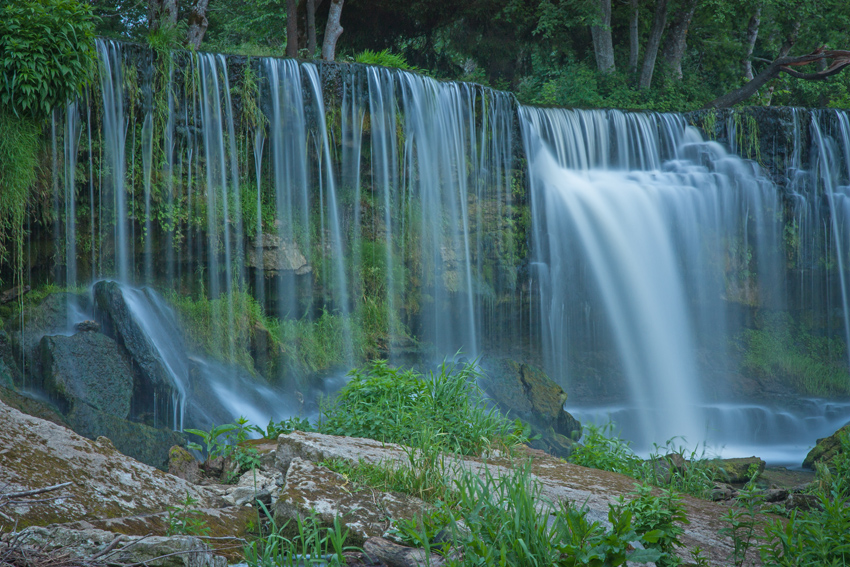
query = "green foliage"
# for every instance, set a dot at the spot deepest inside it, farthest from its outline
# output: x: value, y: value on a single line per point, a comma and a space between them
x: 19, y: 147
x: 394, y: 405
x: 186, y: 519
x: 496, y: 521
x: 310, y: 543
x: 384, y: 58
x: 658, y: 520
x: 600, y: 449
x: 780, y: 348
x: 214, y: 444
x: 275, y: 429
x: 46, y: 53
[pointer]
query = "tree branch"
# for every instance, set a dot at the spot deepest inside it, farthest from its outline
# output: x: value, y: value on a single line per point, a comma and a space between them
x: 840, y: 59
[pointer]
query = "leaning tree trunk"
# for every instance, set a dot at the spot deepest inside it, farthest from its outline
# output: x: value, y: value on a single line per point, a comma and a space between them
x: 750, y: 43
x: 840, y: 60
x: 603, y: 45
x: 652, y: 45
x: 292, y: 28
x: 332, y: 31
x: 677, y: 37
x: 162, y: 13
x: 198, y: 23
x: 784, y: 51
x: 634, y: 36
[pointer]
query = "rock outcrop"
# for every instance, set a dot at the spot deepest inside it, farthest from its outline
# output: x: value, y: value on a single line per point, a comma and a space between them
x: 36, y: 454
x: 826, y: 449
x: 525, y: 391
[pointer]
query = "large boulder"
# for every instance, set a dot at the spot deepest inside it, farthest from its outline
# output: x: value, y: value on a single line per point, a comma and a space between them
x: 104, y: 483
x: 149, y: 445
x: 118, y: 320
x: 525, y: 391
x: 54, y: 314
x: 826, y: 449
x: 87, y: 368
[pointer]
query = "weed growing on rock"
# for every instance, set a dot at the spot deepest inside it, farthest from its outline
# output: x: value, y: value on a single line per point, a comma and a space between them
x: 658, y: 520
x: 186, y: 519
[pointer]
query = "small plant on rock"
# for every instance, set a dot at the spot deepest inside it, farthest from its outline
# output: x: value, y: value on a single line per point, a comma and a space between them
x: 186, y: 519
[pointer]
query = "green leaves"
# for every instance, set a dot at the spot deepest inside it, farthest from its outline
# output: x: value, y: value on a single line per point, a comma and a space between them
x: 46, y: 53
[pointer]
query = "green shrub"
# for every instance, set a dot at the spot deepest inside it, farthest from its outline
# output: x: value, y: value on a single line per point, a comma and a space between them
x: 46, y: 53
x: 19, y: 147
x: 394, y: 405
x: 384, y: 58
x: 600, y: 449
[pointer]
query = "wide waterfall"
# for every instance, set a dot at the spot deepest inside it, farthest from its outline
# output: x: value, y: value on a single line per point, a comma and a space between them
x: 298, y: 218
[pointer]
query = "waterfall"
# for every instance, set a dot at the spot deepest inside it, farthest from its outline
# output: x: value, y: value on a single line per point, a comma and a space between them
x: 642, y: 232
x: 372, y: 212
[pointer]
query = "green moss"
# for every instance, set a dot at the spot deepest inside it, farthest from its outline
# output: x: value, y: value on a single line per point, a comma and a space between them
x: 780, y: 349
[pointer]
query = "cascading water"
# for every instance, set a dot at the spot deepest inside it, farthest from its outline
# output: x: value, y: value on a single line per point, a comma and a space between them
x: 387, y: 214
x: 642, y: 232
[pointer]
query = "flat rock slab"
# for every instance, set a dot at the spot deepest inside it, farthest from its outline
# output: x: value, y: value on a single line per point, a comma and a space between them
x: 156, y: 551
x: 35, y: 454
x: 365, y: 512
x: 560, y: 481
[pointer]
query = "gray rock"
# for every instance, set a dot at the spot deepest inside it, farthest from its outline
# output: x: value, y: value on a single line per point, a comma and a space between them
x: 147, y: 444
x: 277, y: 255
x: 183, y: 465
x: 106, y: 484
x: 255, y: 485
x: 364, y: 512
x: 803, y: 502
x: 118, y: 321
x: 775, y: 495
x: 87, y: 368
x: 156, y: 551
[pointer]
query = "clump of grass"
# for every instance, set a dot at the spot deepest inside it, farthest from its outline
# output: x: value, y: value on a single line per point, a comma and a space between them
x: 307, y: 543
x: 394, y: 405
x: 384, y: 58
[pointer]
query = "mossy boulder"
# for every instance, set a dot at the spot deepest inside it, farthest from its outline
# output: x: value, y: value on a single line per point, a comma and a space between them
x: 826, y: 449
x: 146, y: 444
x: 739, y: 470
x: 87, y: 368
x: 525, y: 391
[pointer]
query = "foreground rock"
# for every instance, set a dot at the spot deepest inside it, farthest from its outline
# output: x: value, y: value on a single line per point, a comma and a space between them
x: 826, y: 449
x: 101, y: 547
x: 560, y: 481
x: 104, y: 483
x: 312, y: 489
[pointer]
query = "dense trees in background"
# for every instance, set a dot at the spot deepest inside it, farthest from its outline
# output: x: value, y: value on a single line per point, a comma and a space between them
x: 664, y: 54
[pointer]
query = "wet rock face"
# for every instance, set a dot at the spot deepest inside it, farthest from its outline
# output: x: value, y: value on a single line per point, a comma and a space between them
x: 117, y: 321
x: 826, y: 449
x: 525, y: 391
x: 274, y: 254
x: 87, y: 368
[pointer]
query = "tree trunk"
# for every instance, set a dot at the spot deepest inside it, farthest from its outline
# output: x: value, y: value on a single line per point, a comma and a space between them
x: 198, y: 23
x: 750, y: 43
x: 652, y: 45
x: 162, y: 13
x: 292, y: 28
x: 332, y: 31
x: 677, y: 37
x: 603, y: 45
x: 311, y: 28
x: 840, y: 60
x: 783, y: 51
x: 634, y: 38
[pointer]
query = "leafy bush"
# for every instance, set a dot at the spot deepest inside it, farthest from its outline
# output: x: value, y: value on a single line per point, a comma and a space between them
x: 397, y: 406
x: 384, y: 58
x: 46, y: 53
x: 658, y: 520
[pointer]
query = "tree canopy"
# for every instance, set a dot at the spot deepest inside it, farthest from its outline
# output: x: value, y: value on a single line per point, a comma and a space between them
x: 659, y: 54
